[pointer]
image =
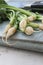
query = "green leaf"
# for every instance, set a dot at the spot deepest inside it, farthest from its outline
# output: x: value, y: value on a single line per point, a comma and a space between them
x: 2, y: 2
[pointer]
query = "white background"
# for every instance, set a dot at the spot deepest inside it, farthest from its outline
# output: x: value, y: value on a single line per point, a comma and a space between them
x: 9, y: 56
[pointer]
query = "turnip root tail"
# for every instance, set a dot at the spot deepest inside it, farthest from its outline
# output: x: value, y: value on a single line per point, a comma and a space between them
x: 5, y: 41
x: 3, y: 38
x: 38, y: 31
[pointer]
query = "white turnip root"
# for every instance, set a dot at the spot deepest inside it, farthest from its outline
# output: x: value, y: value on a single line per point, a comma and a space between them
x: 10, y: 32
x: 7, y: 28
x: 29, y: 30
x: 31, y: 18
x: 22, y: 25
x: 41, y: 26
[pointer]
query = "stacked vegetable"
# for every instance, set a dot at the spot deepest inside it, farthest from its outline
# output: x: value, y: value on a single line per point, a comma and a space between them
x: 21, y: 20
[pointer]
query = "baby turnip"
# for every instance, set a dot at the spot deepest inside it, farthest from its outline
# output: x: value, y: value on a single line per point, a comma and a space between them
x: 22, y: 25
x: 11, y: 17
x: 7, y: 28
x: 29, y: 30
x: 10, y: 32
x: 31, y: 18
x: 41, y: 26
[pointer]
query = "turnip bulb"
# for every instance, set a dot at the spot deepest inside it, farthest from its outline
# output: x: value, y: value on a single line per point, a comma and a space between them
x: 7, y: 28
x: 41, y: 26
x: 31, y: 18
x: 22, y: 25
x: 29, y: 30
x: 10, y: 32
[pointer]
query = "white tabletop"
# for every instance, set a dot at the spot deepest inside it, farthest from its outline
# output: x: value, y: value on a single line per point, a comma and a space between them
x: 9, y: 56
